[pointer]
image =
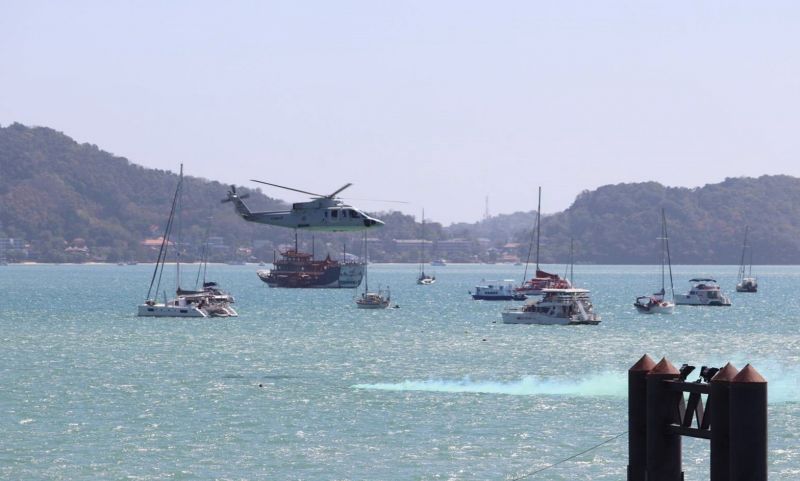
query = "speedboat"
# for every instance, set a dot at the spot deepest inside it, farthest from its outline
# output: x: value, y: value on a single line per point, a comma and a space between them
x: 704, y: 292
x: 566, y: 307
x: 497, y: 291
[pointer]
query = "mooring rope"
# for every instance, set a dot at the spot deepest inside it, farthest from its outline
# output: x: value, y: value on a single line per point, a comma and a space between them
x: 569, y: 458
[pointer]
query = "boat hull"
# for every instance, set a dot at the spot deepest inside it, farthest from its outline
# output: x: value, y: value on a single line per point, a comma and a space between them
x: 660, y: 308
x: 513, y: 317
x: 160, y: 310
x: 688, y: 300
x: 346, y: 276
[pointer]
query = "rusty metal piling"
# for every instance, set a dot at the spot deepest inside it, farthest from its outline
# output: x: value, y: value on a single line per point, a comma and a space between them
x: 748, y: 426
x: 637, y: 418
x: 663, y: 446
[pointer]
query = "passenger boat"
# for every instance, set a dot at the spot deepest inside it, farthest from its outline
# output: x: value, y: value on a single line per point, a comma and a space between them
x: 656, y: 303
x: 747, y: 283
x: 566, y: 307
x: 497, y: 291
x: 542, y: 280
x: 704, y: 292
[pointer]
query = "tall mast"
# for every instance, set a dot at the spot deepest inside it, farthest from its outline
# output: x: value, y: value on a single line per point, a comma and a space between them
x: 366, y: 265
x: 572, y: 261
x: 422, y: 250
x: 744, y: 249
x: 669, y: 260
x: 663, y: 250
x: 538, y: 226
x: 180, y: 223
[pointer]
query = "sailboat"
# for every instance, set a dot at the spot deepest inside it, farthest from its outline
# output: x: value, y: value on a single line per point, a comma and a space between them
x: 371, y: 300
x: 423, y: 279
x: 747, y: 283
x: 541, y: 280
x: 656, y: 303
x: 210, y: 302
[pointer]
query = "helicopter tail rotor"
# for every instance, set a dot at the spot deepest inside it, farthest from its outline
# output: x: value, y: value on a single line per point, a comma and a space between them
x: 232, y: 195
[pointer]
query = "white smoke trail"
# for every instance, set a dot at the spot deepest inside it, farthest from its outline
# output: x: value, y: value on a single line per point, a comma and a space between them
x: 606, y: 384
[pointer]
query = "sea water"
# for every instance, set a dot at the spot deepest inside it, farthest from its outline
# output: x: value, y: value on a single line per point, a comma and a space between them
x: 305, y: 386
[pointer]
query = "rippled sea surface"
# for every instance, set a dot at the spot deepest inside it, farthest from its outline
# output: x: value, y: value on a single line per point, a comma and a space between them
x: 437, y: 389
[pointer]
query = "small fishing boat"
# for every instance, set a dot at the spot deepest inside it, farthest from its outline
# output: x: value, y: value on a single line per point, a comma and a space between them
x: 747, y: 283
x: 656, y: 303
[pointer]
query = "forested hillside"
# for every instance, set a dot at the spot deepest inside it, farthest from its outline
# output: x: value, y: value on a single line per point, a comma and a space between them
x: 54, y: 191
x: 74, y: 202
x: 620, y: 223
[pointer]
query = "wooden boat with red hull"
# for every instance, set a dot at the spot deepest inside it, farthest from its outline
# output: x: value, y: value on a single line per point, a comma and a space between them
x: 298, y: 269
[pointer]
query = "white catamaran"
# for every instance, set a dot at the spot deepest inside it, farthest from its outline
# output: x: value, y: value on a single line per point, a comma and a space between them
x: 657, y: 303
x: 208, y: 302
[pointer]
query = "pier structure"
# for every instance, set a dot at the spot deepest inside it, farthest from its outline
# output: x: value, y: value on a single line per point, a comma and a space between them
x: 726, y: 406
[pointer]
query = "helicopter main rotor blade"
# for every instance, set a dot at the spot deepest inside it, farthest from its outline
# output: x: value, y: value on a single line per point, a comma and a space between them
x: 289, y: 188
x: 340, y: 189
x: 376, y: 200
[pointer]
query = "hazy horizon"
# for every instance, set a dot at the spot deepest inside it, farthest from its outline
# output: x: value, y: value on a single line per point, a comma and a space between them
x: 439, y: 104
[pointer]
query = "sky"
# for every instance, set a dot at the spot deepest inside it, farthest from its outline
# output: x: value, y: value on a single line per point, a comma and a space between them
x: 437, y: 103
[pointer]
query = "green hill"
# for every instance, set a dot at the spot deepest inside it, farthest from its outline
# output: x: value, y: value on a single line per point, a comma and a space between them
x: 54, y: 191
x: 75, y: 202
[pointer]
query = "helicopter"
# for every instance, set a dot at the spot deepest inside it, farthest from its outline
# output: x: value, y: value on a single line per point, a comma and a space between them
x: 325, y: 213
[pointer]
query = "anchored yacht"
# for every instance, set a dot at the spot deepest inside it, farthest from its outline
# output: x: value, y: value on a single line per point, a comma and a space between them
x: 704, y: 292
x: 566, y: 307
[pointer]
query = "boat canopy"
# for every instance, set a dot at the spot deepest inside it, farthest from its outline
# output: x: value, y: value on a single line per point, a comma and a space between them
x: 702, y: 280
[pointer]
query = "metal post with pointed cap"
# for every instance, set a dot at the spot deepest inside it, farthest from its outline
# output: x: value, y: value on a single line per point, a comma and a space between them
x: 719, y: 412
x: 663, y: 446
x: 637, y: 418
x: 748, y: 426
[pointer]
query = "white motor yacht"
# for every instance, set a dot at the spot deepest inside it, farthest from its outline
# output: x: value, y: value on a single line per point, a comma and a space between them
x: 497, y: 291
x: 704, y: 292
x: 558, y: 307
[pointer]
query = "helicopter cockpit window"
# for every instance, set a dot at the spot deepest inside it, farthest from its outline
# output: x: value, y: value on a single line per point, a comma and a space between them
x: 335, y: 213
x: 354, y: 214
